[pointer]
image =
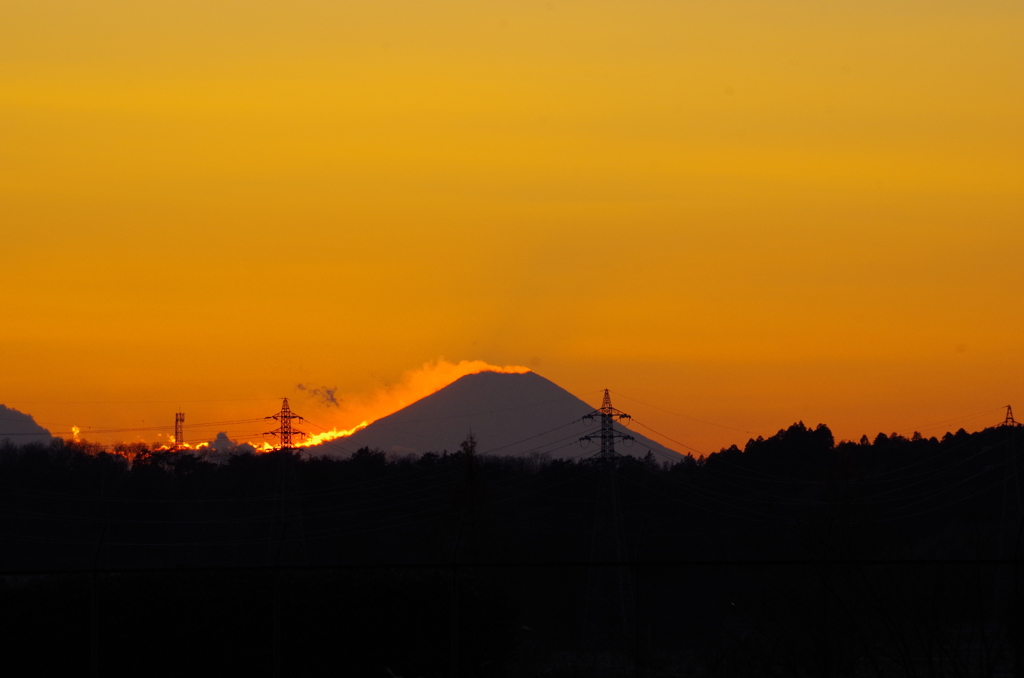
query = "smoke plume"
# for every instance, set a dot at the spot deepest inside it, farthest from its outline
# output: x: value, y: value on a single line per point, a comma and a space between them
x: 322, y: 394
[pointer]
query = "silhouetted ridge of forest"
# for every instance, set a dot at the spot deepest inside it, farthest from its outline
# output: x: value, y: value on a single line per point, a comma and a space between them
x: 794, y: 555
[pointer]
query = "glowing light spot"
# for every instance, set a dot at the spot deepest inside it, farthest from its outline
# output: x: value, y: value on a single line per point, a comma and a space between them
x: 333, y: 434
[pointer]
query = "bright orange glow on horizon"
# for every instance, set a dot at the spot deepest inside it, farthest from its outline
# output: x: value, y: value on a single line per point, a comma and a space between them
x: 414, y: 385
x: 735, y: 215
x: 327, y: 436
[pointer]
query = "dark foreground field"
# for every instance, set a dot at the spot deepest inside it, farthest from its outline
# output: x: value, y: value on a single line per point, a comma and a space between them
x: 795, y: 557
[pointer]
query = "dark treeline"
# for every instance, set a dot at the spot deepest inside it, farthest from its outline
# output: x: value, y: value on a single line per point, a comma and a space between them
x: 794, y: 556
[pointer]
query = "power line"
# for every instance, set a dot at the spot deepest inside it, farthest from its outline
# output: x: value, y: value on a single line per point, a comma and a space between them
x: 677, y: 442
x: 684, y: 416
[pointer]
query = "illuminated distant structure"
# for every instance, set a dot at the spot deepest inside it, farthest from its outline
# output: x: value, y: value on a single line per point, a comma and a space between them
x: 285, y: 432
x: 179, y: 430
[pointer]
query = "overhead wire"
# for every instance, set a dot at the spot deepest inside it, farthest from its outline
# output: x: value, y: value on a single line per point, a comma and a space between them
x: 684, y: 416
x: 452, y: 471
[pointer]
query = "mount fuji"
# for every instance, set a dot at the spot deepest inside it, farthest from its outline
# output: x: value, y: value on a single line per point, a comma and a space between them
x: 508, y: 414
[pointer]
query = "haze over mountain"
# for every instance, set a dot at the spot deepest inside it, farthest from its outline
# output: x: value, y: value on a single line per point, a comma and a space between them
x: 509, y: 414
x: 20, y: 428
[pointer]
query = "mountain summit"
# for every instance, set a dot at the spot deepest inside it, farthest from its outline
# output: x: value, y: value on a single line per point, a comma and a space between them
x: 509, y: 414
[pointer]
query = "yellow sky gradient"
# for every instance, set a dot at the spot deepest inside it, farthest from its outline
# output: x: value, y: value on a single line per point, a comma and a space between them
x: 747, y: 213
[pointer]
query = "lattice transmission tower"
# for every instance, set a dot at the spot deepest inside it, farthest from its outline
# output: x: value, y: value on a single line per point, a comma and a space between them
x: 607, y: 433
x: 1011, y: 523
x: 179, y: 430
x: 287, y: 543
x: 1010, y: 421
x: 606, y: 626
x: 285, y: 432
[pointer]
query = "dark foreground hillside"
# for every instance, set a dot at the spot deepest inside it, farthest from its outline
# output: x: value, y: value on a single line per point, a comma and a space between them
x: 793, y: 557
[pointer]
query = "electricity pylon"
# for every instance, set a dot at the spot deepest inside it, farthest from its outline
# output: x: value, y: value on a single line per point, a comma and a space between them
x: 286, y: 523
x: 1006, y: 583
x: 179, y: 430
x: 607, y: 433
x: 285, y: 432
x: 1010, y: 421
x: 609, y: 594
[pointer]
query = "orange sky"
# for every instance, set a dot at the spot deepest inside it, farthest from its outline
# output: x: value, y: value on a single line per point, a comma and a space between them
x: 746, y: 213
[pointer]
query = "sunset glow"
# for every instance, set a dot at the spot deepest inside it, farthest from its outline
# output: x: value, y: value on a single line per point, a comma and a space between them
x: 510, y: 338
x: 318, y: 438
x: 413, y: 385
x: 738, y: 215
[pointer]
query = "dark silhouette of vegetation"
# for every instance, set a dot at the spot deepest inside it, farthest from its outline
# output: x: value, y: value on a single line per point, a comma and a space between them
x: 795, y: 556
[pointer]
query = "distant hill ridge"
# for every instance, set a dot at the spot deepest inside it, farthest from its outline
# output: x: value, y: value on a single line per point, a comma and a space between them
x: 20, y: 428
x: 508, y: 414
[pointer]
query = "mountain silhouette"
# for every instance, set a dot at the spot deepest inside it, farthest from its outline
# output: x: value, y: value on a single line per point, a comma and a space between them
x: 20, y: 428
x: 508, y: 414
